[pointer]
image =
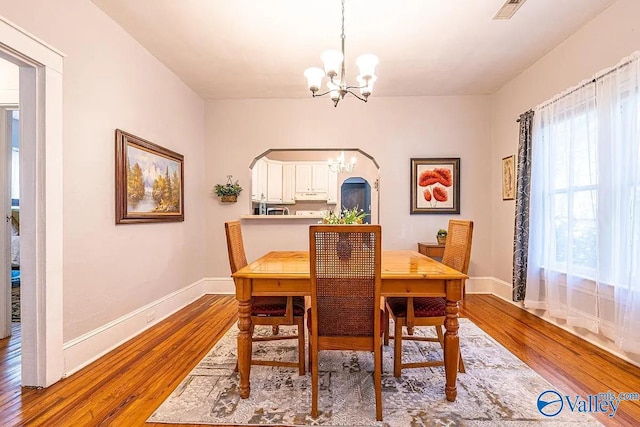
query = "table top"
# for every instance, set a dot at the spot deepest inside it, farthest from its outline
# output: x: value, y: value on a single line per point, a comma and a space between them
x: 395, y: 265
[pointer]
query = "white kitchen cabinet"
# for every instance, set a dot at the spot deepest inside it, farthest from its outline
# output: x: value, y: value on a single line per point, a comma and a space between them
x: 259, y: 180
x: 303, y: 177
x: 274, y: 182
x: 332, y: 187
x: 320, y: 176
x: 288, y: 183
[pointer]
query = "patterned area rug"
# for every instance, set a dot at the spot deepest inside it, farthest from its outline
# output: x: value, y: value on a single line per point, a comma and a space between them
x: 15, y: 303
x: 497, y: 389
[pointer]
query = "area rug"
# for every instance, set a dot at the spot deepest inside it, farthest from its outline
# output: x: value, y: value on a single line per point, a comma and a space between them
x: 15, y: 303
x: 497, y: 388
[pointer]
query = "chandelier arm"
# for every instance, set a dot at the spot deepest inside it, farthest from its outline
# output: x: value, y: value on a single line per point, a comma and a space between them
x: 355, y: 87
x: 359, y: 97
x: 315, y: 95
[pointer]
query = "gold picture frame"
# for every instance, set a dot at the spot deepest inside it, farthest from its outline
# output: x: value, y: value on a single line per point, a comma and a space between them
x: 149, y: 181
x: 509, y: 178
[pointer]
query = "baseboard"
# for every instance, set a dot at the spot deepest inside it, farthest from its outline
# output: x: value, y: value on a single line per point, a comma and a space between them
x: 502, y: 290
x: 89, y: 347
x: 85, y: 349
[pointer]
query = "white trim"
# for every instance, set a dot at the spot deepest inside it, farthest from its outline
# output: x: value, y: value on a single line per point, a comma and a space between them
x: 87, y: 348
x: 479, y: 285
x: 499, y: 291
x: 219, y: 285
x: 81, y: 351
x: 41, y: 243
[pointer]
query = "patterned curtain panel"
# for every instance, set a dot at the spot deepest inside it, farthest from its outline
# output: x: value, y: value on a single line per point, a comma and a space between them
x: 521, y: 229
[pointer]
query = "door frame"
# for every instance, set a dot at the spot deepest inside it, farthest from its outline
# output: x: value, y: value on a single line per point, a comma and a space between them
x: 41, y: 215
x: 5, y: 212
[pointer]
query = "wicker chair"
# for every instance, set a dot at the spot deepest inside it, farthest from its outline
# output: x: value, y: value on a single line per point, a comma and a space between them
x: 429, y: 311
x: 345, y: 311
x: 272, y: 311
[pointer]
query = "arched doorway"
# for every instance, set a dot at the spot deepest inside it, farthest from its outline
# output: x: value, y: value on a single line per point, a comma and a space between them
x: 355, y: 192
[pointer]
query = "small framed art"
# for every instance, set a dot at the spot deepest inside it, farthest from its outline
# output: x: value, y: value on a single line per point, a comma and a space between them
x: 509, y: 178
x: 149, y: 181
x: 435, y: 185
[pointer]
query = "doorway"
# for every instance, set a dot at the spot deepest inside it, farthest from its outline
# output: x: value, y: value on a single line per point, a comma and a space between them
x: 10, y: 144
x: 355, y: 192
x: 40, y: 124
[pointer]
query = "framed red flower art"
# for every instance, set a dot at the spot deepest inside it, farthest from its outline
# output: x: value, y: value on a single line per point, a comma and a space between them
x: 435, y: 186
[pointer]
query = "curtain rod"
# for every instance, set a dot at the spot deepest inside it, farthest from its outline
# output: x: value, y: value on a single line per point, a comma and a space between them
x: 582, y: 85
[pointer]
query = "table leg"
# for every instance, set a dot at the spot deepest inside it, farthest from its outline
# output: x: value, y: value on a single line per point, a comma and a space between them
x: 244, y: 346
x: 451, y: 349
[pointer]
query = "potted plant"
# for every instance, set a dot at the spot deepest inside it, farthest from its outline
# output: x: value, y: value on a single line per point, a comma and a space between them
x: 347, y: 216
x: 441, y: 236
x: 229, y: 191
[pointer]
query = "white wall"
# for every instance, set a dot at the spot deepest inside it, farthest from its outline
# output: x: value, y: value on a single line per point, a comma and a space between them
x: 111, y: 82
x: 9, y: 83
x: 392, y: 130
x: 602, y: 43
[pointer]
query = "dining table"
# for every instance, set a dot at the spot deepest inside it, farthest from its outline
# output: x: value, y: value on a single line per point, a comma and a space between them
x: 404, y: 274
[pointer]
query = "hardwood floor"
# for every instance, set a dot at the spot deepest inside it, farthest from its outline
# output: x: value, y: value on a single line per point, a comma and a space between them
x: 124, y: 387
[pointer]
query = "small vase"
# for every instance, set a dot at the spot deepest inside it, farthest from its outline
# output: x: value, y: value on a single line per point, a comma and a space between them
x: 441, y: 239
x: 343, y: 247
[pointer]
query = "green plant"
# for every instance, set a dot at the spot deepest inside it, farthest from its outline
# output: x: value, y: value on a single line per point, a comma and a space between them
x: 442, y: 233
x: 228, y: 189
x: 347, y: 216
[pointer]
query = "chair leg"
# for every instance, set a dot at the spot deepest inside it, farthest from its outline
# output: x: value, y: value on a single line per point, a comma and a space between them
x: 397, y: 348
x: 377, y: 382
x: 300, y: 326
x: 313, y: 358
x: 440, y: 335
x: 386, y: 320
x: 275, y: 329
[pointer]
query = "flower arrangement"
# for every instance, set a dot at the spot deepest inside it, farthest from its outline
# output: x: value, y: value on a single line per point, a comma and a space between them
x: 441, y: 236
x: 229, y: 191
x: 347, y: 216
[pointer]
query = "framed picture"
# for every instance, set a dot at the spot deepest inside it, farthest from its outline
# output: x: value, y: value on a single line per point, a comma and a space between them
x: 149, y: 181
x: 435, y: 186
x: 509, y: 178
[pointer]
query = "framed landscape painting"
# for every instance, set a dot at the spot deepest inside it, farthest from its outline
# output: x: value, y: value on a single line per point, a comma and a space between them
x: 435, y: 186
x: 149, y: 181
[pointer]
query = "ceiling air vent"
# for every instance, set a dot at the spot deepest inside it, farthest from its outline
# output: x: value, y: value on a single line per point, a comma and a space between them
x: 508, y: 9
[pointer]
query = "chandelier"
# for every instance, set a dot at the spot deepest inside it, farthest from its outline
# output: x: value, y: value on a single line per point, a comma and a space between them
x: 333, y: 61
x: 339, y: 165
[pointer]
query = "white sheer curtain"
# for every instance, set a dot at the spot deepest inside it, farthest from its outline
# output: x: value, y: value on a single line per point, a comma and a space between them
x: 584, y: 255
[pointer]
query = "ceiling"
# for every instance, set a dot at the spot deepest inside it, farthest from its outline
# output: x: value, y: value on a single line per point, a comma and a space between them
x: 260, y: 48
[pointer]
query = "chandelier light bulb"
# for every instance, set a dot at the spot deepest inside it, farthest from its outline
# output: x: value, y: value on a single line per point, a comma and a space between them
x: 367, y: 65
x: 366, y: 85
x: 332, y: 60
x: 314, y: 77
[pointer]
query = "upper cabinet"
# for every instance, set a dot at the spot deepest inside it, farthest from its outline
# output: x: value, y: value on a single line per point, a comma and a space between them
x: 259, y: 180
x: 312, y: 181
x: 289, y: 183
x: 274, y: 182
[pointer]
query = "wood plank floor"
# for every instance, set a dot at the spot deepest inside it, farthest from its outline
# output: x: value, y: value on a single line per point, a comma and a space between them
x: 124, y: 387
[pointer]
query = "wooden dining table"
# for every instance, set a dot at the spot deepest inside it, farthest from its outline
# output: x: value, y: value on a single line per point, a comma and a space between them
x: 404, y: 274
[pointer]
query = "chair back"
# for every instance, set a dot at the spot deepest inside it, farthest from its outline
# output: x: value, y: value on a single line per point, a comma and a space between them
x: 457, y: 249
x: 235, y: 246
x: 345, y: 267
